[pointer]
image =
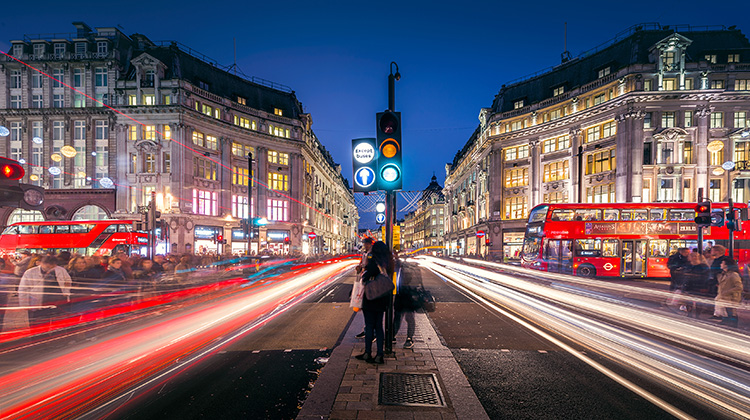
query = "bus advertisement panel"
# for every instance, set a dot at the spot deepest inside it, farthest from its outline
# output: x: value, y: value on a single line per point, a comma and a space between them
x: 622, y: 240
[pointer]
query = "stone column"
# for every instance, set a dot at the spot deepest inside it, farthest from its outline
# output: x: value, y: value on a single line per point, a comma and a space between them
x: 296, y: 179
x: 261, y: 170
x: 576, y: 139
x: 120, y: 167
x: 629, y: 172
x: 702, y: 115
x: 535, y: 173
x: 225, y: 179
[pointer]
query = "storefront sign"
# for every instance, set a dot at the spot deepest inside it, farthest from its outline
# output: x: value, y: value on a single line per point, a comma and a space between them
x: 277, y: 235
x: 206, y: 232
x: 640, y: 228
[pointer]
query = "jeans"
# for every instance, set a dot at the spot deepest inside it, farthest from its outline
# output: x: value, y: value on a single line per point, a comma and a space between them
x: 400, y: 315
x: 374, y: 326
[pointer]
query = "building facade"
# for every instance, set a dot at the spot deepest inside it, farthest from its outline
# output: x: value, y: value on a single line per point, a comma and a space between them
x: 651, y: 117
x: 424, y: 226
x: 179, y: 131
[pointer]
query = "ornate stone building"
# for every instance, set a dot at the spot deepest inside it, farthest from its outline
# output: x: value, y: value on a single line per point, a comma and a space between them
x: 180, y: 129
x: 424, y: 226
x: 650, y: 117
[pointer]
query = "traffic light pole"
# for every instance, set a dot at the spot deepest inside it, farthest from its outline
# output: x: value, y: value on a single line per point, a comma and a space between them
x: 390, y: 217
x: 700, y: 228
x: 248, y: 228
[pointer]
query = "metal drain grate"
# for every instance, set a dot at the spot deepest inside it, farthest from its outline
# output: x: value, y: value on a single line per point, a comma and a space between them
x: 413, y: 389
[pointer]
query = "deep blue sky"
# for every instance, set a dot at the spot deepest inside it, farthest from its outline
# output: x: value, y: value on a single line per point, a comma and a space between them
x: 453, y: 56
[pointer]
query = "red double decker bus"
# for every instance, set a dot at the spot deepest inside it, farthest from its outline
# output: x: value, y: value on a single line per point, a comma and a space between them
x: 622, y: 240
x: 95, y: 237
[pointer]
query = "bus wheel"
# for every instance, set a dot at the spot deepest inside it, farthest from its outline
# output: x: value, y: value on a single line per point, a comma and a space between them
x: 586, y: 270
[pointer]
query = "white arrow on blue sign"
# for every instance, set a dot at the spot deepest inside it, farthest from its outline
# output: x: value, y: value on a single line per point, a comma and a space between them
x: 364, y: 177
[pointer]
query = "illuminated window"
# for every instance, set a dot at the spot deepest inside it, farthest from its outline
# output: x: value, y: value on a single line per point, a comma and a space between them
x: 688, y: 119
x: 203, y: 168
x: 687, y: 152
x: 717, y: 84
x: 149, y: 163
x: 667, y: 119
x: 167, y: 131
x: 668, y: 60
x: 132, y: 100
x: 149, y: 100
x: 599, y: 99
x: 669, y: 84
x: 278, y: 111
x: 740, y: 119
x: 556, y: 171
x: 688, y: 83
x: 277, y: 181
x: 601, y: 193
x: 518, y: 104
x: 244, y: 122
x: 516, y: 177
x: 240, y: 176
x: 604, y: 72
x: 717, y: 119
x: 239, y: 206
x: 742, y: 151
x: 714, y: 190
x: 716, y: 158
x: 558, y: 91
x: 208, y: 110
x: 648, y: 85
x: 278, y: 131
x: 205, y: 202
x: 733, y: 58
x: 241, y: 100
x: 166, y: 162
x: 149, y: 132
x: 600, y: 162
x: 198, y: 139
x: 211, y: 142
x: 742, y: 84
x: 556, y: 197
x: 711, y: 58
x: 278, y: 210
x: 517, y: 152
x: 132, y: 132
x: 515, y: 208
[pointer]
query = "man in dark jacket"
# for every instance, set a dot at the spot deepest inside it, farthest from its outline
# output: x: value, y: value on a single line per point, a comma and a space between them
x: 677, y: 264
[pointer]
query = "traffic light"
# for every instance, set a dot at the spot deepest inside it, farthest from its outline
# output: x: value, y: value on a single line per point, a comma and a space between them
x: 380, y: 212
x: 15, y: 194
x: 703, y: 214
x: 220, y: 239
x: 390, y: 173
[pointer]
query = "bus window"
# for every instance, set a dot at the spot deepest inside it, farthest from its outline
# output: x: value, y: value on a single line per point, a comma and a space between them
x: 62, y: 229
x: 682, y: 215
x: 588, y: 247
x: 610, y: 248
x: 611, y: 214
x: 588, y: 215
x: 124, y: 228
x: 111, y: 229
x: 658, y: 214
x: 531, y: 247
x: 676, y: 244
x: 46, y: 229
x: 631, y: 215
x: 538, y: 214
x: 563, y: 215
x: 658, y: 248
x: 26, y: 229
x: 11, y: 230
x: 80, y: 228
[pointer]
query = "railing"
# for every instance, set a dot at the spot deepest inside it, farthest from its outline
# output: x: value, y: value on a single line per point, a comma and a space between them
x: 742, y: 165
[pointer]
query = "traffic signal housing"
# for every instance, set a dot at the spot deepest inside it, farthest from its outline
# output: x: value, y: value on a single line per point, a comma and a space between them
x: 703, y: 214
x: 390, y: 172
x: 13, y: 193
x: 731, y: 218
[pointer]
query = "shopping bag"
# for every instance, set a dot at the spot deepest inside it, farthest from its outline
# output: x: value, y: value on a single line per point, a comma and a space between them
x: 428, y: 301
x: 358, y: 292
x: 378, y: 287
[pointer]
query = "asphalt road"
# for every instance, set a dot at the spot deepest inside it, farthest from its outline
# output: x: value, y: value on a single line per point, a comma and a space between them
x: 265, y: 375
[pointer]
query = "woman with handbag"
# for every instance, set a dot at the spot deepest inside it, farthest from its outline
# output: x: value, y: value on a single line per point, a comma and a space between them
x: 377, y: 292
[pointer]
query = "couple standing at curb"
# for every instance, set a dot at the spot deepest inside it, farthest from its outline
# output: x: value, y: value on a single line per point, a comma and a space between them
x: 376, y: 260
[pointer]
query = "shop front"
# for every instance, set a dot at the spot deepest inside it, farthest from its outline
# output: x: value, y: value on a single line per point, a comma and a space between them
x: 205, y: 242
x: 239, y: 242
x: 278, y: 241
x: 512, y: 244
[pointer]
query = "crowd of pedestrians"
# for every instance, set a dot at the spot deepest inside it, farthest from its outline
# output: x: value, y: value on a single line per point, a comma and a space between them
x: 712, y: 275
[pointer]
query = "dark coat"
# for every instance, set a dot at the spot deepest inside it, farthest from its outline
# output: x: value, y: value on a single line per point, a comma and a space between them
x: 697, y: 280
x: 380, y: 304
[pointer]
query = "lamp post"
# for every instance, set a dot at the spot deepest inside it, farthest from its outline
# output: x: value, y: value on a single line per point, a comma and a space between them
x: 390, y: 201
x: 249, y: 201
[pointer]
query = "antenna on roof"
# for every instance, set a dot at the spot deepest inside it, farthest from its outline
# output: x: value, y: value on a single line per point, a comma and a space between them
x: 565, y: 56
x: 235, y: 56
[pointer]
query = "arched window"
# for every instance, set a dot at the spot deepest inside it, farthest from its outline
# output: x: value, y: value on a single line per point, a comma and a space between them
x: 90, y: 212
x: 21, y: 215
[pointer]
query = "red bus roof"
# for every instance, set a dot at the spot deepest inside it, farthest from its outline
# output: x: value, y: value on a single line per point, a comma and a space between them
x: 619, y: 206
x: 75, y: 222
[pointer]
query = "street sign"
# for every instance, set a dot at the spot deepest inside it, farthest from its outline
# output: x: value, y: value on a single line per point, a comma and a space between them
x: 480, y: 234
x: 364, y: 164
x: 312, y: 235
x: 380, y: 218
x: 364, y: 178
x: 728, y: 165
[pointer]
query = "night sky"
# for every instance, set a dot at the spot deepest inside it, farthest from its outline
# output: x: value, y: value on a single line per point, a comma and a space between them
x: 453, y: 56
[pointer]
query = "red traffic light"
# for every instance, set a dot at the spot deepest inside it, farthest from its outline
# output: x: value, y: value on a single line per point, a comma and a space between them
x: 11, y: 171
x: 388, y: 123
x: 219, y: 238
x: 701, y: 208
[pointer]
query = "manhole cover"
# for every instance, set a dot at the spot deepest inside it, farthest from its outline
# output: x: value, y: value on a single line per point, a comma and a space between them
x: 417, y: 389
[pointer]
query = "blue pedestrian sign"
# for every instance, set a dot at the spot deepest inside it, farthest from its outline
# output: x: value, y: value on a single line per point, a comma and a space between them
x: 380, y: 218
x: 364, y: 177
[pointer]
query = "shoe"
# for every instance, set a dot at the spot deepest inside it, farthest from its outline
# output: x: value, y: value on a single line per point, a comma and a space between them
x: 360, y: 335
x: 408, y: 343
x: 364, y: 356
x: 378, y: 360
x: 715, y: 317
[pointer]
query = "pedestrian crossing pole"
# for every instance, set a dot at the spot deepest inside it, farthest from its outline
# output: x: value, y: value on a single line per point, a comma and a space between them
x: 390, y: 214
